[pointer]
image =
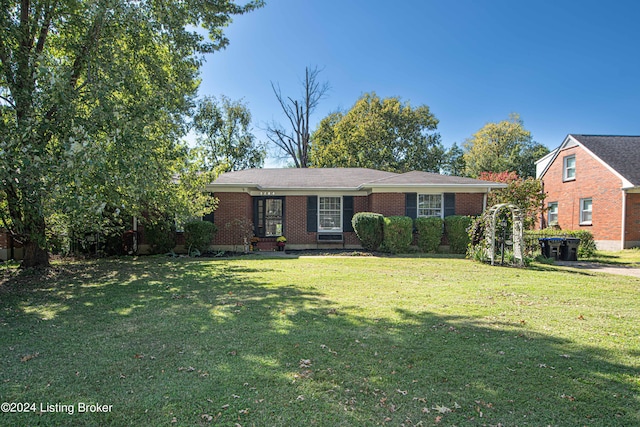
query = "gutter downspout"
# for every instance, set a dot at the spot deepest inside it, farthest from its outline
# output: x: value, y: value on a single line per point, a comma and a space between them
x: 624, y: 217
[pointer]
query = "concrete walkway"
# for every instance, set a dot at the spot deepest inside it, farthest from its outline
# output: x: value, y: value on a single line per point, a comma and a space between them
x: 597, y: 267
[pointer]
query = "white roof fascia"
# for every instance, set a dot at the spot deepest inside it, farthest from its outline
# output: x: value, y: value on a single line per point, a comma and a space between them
x: 565, y: 144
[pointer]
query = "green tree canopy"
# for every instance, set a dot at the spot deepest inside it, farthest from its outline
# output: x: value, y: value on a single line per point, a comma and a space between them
x: 224, y: 129
x: 503, y: 146
x: 385, y: 134
x: 93, y: 100
x: 453, y: 162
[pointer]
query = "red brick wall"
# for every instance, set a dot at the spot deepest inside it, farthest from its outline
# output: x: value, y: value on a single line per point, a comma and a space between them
x: 632, y: 226
x: 593, y: 181
x: 469, y: 203
x: 295, y: 222
x: 236, y: 205
x: 387, y: 204
x: 231, y: 206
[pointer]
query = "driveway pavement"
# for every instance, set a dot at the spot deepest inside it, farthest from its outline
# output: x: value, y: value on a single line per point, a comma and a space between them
x: 597, y: 267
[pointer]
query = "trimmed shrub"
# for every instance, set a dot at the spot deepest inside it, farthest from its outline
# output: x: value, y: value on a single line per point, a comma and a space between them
x: 456, y: 227
x: 198, y: 235
x: 586, y: 249
x: 368, y: 227
x: 160, y: 235
x: 430, y: 232
x: 398, y: 234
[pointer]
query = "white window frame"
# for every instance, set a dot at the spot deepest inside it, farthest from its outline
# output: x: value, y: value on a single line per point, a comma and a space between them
x: 551, y: 211
x: 418, y: 208
x: 336, y: 229
x: 566, y: 168
x: 584, y: 211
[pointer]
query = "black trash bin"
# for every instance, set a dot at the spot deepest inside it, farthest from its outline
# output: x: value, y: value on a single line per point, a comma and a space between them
x: 569, y: 249
x: 550, y: 246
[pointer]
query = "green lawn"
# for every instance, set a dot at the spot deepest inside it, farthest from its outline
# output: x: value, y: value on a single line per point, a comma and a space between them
x: 320, y: 341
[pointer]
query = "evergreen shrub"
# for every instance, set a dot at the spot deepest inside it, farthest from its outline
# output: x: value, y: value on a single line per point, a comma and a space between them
x: 397, y: 234
x: 368, y: 227
x: 430, y: 230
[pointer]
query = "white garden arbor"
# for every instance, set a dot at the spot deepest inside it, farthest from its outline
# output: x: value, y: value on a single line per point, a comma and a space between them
x: 517, y: 237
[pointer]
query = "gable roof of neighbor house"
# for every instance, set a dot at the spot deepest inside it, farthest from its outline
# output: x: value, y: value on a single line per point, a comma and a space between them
x: 339, y: 179
x: 619, y: 153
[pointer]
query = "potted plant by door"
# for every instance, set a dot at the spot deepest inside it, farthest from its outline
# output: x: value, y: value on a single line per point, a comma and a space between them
x: 280, y: 242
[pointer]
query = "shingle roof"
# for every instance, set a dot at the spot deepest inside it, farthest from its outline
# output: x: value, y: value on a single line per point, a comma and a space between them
x: 338, y: 179
x: 622, y: 153
x: 329, y: 178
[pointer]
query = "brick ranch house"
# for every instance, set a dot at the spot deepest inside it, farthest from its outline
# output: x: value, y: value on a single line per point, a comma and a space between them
x: 593, y: 183
x: 313, y: 207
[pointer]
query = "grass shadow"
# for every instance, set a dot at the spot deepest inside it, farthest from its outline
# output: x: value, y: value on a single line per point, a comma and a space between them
x: 187, y: 342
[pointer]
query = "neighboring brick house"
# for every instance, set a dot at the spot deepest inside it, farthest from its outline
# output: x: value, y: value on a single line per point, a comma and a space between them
x: 313, y: 207
x: 593, y: 183
x: 9, y: 248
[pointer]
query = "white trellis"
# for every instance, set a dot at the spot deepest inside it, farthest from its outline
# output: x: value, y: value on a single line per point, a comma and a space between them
x: 517, y: 232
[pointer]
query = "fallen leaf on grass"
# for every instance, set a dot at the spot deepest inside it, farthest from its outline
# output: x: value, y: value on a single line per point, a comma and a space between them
x: 441, y: 409
x: 305, y: 363
x: 569, y: 398
x: 206, y: 417
x: 402, y: 392
x: 29, y: 357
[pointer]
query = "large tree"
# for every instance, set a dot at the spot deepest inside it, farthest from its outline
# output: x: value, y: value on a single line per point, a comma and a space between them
x: 224, y: 132
x: 93, y: 99
x: 385, y: 134
x: 294, y: 138
x: 503, y: 146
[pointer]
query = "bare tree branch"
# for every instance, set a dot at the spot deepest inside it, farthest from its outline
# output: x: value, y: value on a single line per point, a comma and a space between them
x: 295, y: 142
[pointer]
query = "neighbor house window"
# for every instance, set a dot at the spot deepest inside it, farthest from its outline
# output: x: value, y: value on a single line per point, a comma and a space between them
x: 330, y: 214
x: 569, y: 168
x: 585, y: 211
x: 553, y: 213
x: 269, y: 217
x: 430, y: 205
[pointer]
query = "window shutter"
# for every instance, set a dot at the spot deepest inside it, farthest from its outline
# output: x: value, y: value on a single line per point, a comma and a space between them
x: 411, y: 205
x: 449, y: 204
x: 347, y: 213
x: 208, y: 217
x: 312, y: 214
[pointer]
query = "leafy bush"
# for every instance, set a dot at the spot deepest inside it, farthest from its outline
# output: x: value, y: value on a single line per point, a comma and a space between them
x: 397, y: 234
x: 456, y: 227
x: 199, y: 234
x: 160, y: 235
x: 369, y: 229
x: 430, y: 232
x: 586, y: 249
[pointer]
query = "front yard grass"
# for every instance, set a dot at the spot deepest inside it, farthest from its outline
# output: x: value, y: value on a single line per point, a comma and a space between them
x: 320, y: 341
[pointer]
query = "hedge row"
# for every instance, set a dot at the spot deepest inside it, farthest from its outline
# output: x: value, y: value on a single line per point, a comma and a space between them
x: 394, y: 234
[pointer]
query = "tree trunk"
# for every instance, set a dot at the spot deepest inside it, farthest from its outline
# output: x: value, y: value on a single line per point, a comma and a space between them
x: 34, y: 256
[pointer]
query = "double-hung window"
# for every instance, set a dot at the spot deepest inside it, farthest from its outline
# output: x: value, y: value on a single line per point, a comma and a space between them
x: 329, y: 214
x: 585, y: 211
x: 430, y: 205
x: 569, y: 168
x: 269, y: 217
x: 553, y: 213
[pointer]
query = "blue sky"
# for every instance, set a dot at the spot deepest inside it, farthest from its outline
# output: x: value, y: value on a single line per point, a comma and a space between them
x: 564, y: 66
